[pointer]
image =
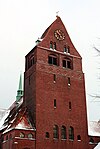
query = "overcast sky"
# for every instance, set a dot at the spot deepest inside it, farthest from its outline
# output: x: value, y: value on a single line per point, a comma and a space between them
x: 23, y: 21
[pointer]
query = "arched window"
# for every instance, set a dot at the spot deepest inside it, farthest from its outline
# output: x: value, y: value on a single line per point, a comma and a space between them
x: 63, y: 132
x: 67, y: 63
x: 30, y: 135
x: 51, y: 45
x: 47, y: 134
x: 2, y: 138
x: 55, y: 132
x: 70, y: 106
x: 52, y: 59
x: 91, y: 141
x: 22, y: 135
x: 71, y: 133
x: 66, y: 49
x: 54, y: 46
x: 79, y: 138
x: 10, y: 136
x: 7, y: 137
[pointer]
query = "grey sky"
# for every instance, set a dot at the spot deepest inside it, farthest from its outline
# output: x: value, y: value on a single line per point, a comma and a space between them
x: 23, y: 21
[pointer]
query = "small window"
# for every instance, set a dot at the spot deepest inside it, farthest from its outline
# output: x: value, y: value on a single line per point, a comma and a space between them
x: 64, y: 63
x: 10, y: 136
x: 51, y: 45
x: 68, y: 81
x: 63, y: 132
x: 91, y: 141
x: 30, y: 135
x: 2, y: 138
x: 54, y: 46
x: 54, y: 77
x: 7, y: 137
x: 55, y: 104
x: 66, y: 49
x: 71, y: 133
x: 79, y: 138
x: 70, y: 106
x: 22, y: 135
x: 55, y: 132
x: 47, y: 135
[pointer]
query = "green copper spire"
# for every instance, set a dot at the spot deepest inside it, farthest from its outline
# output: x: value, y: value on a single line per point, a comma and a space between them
x: 20, y: 90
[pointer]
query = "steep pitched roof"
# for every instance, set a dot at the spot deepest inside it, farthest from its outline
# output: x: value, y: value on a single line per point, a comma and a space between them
x: 49, y: 35
x: 17, y: 117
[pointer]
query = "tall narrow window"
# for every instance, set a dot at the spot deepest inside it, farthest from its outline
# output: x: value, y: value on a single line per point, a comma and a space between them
x: 54, y: 46
x: 64, y: 63
x: 47, y: 134
x: 69, y: 81
x: 51, y: 45
x: 79, y: 138
x: 91, y: 141
x: 66, y: 49
x: 71, y: 133
x: 63, y: 132
x: 55, y: 104
x: 70, y: 106
x: 54, y: 77
x: 55, y: 132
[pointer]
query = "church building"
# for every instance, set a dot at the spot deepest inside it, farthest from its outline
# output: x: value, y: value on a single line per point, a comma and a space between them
x: 51, y: 113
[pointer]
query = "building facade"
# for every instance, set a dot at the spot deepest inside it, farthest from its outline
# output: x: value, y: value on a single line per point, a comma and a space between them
x: 53, y: 111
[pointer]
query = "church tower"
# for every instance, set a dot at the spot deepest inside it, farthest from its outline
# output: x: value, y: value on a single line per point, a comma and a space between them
x: 54, y: 89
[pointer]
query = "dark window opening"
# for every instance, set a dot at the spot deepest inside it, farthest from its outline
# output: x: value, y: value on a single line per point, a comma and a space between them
x: 54, y: 46
x: 7, y: 137
x: 70, y: 106
x: 47, y: 135
x: 67, y: 64
x: 64, y: 63
x: 66, y: 49
x: 51, y: 45
x: 55, y: 104
x: 55, y: 132
x: 68, y: 81
x: 71, y: 133
x: 91, y: 140
x: 54, y: 77
x: 2, y: 138
x: 79, y: 138
x: 10, y: 136
x: 31, y: 61
x: 52, y: 60
x: 63, y: 132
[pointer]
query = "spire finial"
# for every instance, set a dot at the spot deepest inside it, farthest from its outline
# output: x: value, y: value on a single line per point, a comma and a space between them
x: 20, y: 90
x: 57, y: 13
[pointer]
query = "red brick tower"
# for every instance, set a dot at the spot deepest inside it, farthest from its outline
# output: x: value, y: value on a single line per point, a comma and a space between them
x: 55, y: 91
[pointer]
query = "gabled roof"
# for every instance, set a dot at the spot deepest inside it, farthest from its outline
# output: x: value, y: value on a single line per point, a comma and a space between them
x: 17, y: 117
x: 49, y: 35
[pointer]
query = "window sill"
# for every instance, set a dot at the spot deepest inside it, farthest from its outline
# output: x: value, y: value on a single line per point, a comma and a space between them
x: 63, y: 139
x: 71, y: 140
